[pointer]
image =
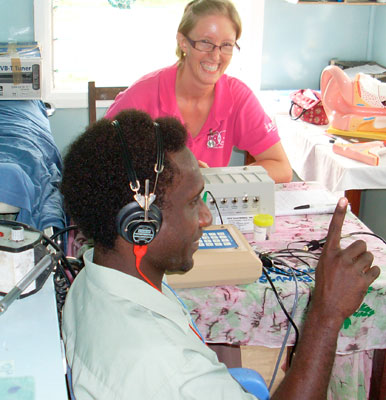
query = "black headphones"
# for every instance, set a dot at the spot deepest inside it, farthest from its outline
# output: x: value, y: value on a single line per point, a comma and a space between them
x: 139, y: 222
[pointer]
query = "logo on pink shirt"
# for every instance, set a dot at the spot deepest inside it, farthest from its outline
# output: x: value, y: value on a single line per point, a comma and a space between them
x: 216, y: 139
x: 269, y: 126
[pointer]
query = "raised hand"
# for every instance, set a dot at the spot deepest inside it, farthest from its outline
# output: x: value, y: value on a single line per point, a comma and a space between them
x: 342, y: 279
x: 342, y: 275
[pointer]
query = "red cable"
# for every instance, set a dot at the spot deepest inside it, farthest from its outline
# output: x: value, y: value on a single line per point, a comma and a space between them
x: 197, y: 334
x: 139, y: 252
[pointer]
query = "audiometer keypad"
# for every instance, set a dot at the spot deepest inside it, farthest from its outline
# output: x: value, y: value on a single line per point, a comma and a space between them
x: 224, y: 257
x: 217, y: 239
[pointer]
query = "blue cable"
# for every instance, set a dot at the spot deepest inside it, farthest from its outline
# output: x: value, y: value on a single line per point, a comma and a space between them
x: 295, y: 304
x: 186, y: 308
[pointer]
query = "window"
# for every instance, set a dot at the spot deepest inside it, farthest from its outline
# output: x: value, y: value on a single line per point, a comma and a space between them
x: 85, y: 40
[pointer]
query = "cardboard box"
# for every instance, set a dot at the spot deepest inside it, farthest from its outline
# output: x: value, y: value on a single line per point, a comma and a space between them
x: 20, y: 71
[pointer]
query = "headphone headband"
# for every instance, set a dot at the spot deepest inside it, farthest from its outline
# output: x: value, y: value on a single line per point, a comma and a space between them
x: 138, y: 222
x: 159, y: 166
x: 126, y: 157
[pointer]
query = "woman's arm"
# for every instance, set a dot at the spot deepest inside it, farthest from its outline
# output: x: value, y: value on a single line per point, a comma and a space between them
x: 275, y: 161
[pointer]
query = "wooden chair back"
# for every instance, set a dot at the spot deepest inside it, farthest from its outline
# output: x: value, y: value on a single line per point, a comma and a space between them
x: 100, y: 93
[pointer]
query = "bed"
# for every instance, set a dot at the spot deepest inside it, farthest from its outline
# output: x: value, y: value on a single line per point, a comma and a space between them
x: 30, y: 164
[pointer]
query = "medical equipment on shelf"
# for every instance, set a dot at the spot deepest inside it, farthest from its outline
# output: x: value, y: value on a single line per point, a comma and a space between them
x: 355, y: 108
x: 25, y: 263
x: 17, y: 256
x: 28, y: 279
x: 240, y: 193
x: 224, y: 257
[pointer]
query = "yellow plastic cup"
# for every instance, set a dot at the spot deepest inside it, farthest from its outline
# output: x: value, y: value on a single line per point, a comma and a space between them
x: 261, y: 226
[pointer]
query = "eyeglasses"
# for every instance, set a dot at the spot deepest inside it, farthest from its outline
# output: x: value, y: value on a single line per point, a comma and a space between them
x: 208, y: 47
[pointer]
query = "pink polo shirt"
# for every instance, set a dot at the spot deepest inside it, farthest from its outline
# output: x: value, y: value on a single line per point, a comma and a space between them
x: 235, y: 119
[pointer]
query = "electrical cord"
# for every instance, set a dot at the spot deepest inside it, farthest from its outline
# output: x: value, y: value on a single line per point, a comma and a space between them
x: 364, y: 233
x: 290, y: 319
x: 297, y: 336
x: 277, y: 259
x: 61, y: 280
x: 299, y: 273
x: 318, y: 244
x: 61, y: 289
x: 278, y: 297
x: 300, y: 254
x: 283, y: 346
x: 62, y: 283
x: 311, y: 246
x: 47, y: 241
x: 270, y: 261
x: 45, y: 237
x: 76, y: 263
x: 315, y: 244
x: 64, y: 230
x: 215, y: 203
x: 63, y: 259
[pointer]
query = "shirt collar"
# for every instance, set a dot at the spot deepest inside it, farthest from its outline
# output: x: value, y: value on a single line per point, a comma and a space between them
x: 128, y: 287
x: 223, y: 99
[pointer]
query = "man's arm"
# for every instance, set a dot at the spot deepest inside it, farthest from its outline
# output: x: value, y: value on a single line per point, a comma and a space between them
x: 342, y: 279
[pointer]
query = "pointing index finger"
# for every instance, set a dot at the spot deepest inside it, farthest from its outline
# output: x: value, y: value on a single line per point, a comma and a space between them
x: 335, y: 228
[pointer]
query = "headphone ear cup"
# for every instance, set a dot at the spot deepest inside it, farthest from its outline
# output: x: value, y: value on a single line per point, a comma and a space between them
x: 132, y: 227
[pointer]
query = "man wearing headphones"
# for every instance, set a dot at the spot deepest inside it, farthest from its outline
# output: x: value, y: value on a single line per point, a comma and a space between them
x: 134, y: 188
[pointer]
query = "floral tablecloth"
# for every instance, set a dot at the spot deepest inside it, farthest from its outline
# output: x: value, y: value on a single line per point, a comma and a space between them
x: 250, y: 314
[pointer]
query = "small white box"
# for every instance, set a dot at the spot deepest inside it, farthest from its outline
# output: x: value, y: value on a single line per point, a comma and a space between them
x: 20, y: 71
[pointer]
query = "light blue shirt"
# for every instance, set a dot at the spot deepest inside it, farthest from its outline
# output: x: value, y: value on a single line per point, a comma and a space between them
x: 125, y: 340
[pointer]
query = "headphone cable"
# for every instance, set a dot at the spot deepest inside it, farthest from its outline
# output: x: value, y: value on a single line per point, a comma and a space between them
x: 195, y: 330
x: 139, y: 252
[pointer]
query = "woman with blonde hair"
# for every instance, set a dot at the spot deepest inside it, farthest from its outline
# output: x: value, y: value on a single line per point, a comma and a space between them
x: 219, y: 111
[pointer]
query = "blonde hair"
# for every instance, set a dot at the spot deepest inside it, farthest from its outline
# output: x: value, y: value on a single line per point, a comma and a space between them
x: 201, y: 8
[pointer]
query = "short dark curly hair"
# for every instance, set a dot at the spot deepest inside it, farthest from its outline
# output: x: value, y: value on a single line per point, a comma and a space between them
x: 95, y: 183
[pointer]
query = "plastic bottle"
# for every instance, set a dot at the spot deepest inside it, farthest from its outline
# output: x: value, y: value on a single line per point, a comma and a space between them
x: 261, y: 226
